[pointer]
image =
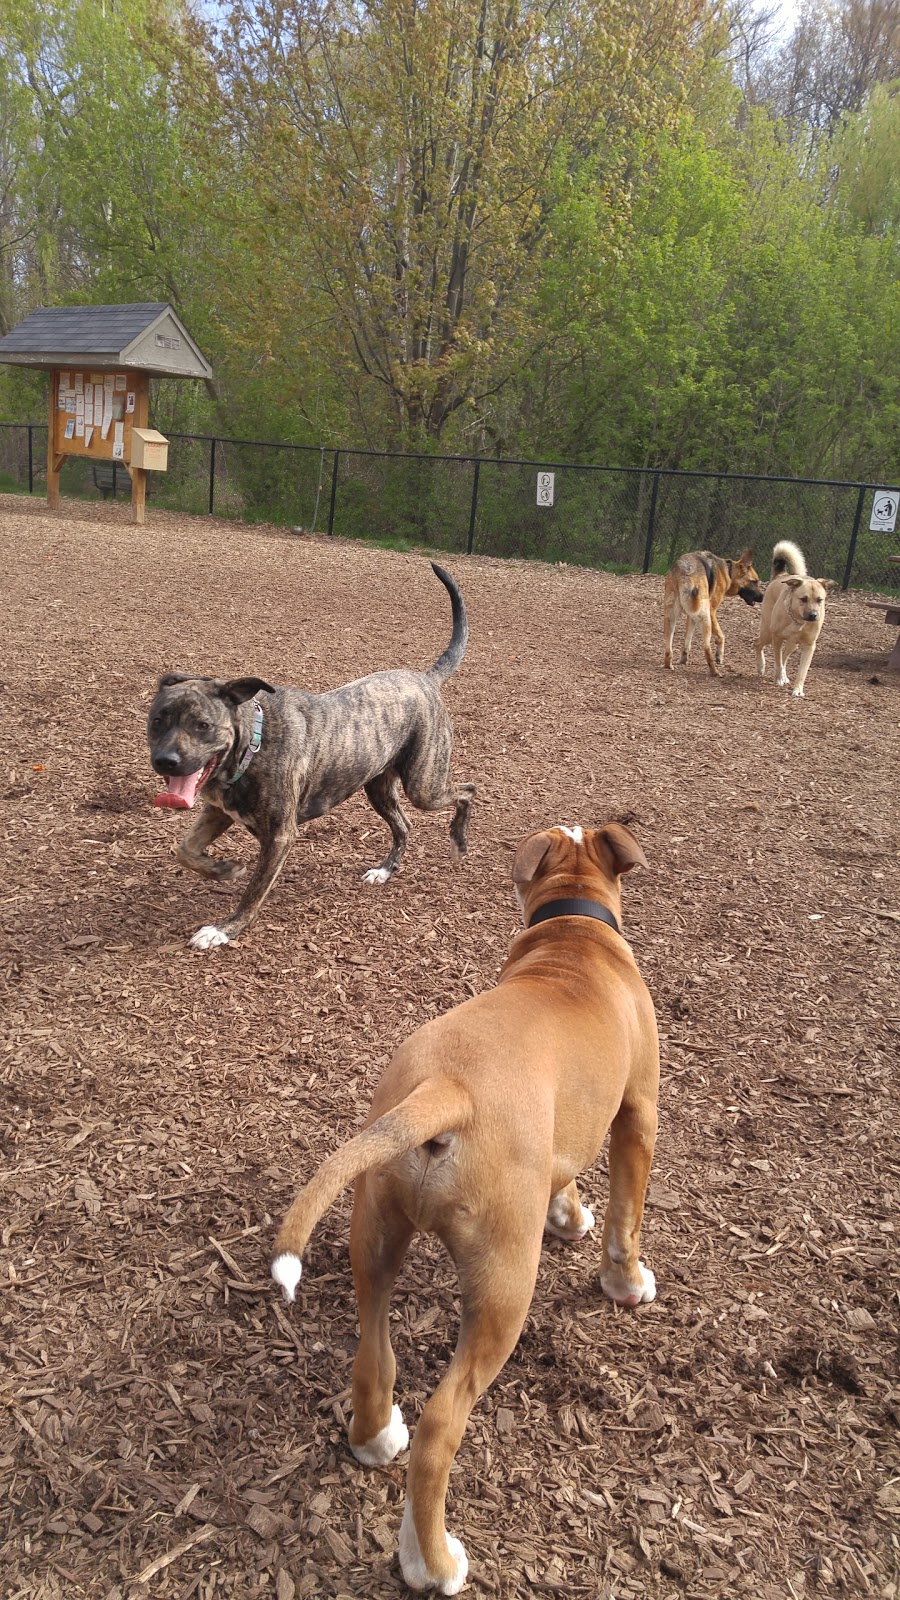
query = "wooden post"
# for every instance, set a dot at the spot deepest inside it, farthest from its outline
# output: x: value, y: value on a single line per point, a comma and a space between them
x: 54, y: 461
x: 138, y: 493
x: 140, y: 419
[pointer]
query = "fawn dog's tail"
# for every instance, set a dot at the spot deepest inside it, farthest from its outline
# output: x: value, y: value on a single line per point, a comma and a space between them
x: 437, y: 1106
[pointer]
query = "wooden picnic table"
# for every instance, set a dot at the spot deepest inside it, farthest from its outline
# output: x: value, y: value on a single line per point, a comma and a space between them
x: 891, y: 609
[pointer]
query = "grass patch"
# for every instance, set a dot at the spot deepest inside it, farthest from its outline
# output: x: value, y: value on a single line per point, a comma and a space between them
x: 11, y: 485
x: 393, y: 541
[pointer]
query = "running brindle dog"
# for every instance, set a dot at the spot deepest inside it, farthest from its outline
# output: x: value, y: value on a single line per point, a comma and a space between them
x: 274, y: 764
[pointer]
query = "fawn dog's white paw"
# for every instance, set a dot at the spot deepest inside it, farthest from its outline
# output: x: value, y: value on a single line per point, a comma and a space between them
x: 558, y: 1221
x: 413, y: 1566
x: 387, y: 1444
x: 616, y: 1286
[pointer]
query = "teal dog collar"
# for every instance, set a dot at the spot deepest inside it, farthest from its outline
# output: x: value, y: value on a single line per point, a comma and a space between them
x: 253, y: 746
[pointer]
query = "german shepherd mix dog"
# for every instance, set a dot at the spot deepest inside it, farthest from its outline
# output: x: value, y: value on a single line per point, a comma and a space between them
x: 792, y: 615
x: 477, y: 1132
x: 274, y: 767
x: 695, y: 588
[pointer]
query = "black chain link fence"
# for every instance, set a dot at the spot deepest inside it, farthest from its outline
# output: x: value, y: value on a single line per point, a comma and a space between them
x: 619, y: 518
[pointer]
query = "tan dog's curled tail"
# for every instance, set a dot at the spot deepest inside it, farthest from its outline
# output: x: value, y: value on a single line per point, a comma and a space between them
x: 437, y: 1106
x: 788, y: 558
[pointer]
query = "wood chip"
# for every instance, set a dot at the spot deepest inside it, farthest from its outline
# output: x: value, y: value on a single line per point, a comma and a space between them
x: 339, y: 1546
x: 263, y: 1521
x: 199, y: 1536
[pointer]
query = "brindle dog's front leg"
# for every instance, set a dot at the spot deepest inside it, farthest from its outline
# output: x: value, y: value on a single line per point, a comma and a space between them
x: 191, y: 852
x: 273, y: 853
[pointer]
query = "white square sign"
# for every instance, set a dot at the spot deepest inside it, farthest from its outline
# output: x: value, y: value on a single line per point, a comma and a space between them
x: 545, y: 488
x: 884, y: 511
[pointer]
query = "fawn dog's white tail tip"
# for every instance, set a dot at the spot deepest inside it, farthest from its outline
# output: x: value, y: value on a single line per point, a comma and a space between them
x: 287, y: 1270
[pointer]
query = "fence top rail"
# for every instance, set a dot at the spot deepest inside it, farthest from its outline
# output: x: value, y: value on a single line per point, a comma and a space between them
x: 586, y: 466
x: 257, y: 444
x: 513, y: 461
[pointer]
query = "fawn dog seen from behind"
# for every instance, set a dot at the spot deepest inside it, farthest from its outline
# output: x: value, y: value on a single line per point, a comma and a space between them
x: 476, y: 1133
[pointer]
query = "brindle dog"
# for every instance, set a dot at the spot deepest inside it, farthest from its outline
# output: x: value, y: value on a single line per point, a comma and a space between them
x: 276, y: 761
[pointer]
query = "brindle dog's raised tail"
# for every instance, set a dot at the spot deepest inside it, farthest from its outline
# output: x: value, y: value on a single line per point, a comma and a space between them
x: 446, y: 665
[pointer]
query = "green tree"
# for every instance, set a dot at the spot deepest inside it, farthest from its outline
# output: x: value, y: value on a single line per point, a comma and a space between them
x: 744, y: 318
x: 400, y: 157
x: 105, y: 204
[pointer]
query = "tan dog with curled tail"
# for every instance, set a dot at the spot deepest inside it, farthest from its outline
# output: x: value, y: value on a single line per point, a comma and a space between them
x: 477, y: 1131
x: 792, y: 615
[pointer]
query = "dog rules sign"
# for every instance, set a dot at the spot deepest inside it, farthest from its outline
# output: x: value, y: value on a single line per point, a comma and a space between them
x: 545, y: 488
x: 884, y: 510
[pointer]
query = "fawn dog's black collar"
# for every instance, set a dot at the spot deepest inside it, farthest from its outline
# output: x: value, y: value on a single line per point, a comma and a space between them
x: 573, y: 908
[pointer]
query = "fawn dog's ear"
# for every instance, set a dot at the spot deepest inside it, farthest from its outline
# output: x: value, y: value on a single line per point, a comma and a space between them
x: 529, y: 856
x: 616, y: 846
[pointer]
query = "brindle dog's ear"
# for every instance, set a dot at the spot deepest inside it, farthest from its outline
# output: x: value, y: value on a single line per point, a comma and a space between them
x: 237, y: 690
x: 619, y: 843
x: 529, y: 856
x: 745, y: 559
x: 169, y: 678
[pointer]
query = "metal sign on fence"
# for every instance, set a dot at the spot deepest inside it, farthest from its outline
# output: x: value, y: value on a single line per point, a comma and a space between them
x: 884, y: 511
x: 545, y: 488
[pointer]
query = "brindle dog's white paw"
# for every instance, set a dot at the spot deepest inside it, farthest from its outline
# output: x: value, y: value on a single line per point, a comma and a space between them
x: 207, y: 938
x: 377, y: 875
x: 387, y: 1444
x: 412, y: 1563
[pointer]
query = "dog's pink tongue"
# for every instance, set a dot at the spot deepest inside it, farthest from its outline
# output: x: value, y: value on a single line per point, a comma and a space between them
x: 180, y: 793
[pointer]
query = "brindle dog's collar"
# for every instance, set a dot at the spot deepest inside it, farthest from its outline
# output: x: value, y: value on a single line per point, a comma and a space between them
x: 574, y: 908
x: 253, y: 746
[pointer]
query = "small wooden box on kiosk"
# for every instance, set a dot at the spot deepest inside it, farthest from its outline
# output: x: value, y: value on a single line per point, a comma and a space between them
x: 100, y: 360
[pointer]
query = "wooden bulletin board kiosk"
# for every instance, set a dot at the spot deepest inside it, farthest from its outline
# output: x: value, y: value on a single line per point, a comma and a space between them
x: 100, y: 360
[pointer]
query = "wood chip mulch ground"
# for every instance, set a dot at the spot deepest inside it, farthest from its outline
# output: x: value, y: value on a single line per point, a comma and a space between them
x: 168, y: 1428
